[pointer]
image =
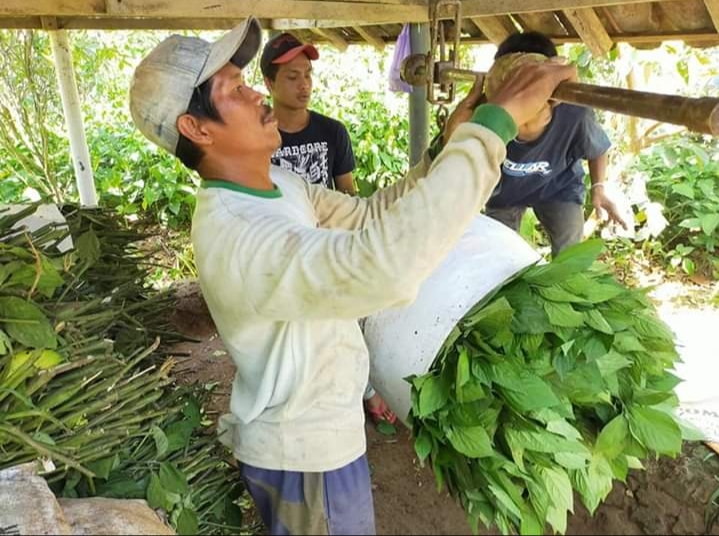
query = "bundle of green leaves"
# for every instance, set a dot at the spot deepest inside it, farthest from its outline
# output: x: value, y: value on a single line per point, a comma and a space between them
x: 81, y: 387
x: 558, y: 381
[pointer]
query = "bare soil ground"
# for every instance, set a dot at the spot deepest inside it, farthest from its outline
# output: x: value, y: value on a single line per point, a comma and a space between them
x: 672, y: 496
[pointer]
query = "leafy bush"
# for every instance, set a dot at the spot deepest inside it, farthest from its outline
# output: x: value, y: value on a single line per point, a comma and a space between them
x: 376, y: 119
x: 130, y: 174
x: 682, y: 176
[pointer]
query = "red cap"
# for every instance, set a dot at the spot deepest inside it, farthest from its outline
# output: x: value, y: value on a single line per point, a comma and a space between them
x: 284, y: 48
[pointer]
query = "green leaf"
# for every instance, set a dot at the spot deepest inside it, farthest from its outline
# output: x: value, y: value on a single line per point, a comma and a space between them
x: 651, y: 327
x: 529, y: 316
x: 592, y: 347
x: 559, y: 294
x: 505, y: 500
x: 572, y: 460
x: 594, y: 483
x: 577, y: 284
x: 540, y: 440
x: 559, y: 487
x: 564, y: 429
x: 557, y: 518
x: 613, y: 438
x: 158, y: 497
x: 463, y: 373
x: 432, y: 396
x: 172, y: 479
x: 87, y: 246
x: 626, y: 342
x: 537, y: 395
x: 655, y: 430
x: 104, y: 466
x: 26, y: 277
x: 602, y: 292
x: 471, y: 392
x: 386, y: 428
x: 472, y: 441
x: 26, y: 323
x: 122, y: 486
x: 178, y: 435
x: 611, y: 362
x: 5, y: 343
x: 42, y: 437
x: 529, y: 523
x: 232, y: 513
x: 563, y: 315
x: 594, y: 319
x: 493, y: 317
x: 187, y: 522
x: 709, y: 222
x: 161, y: 441
x: 581, y: 255
x: 684, y: 189
x: 423, y: 445
x: 563, y: 364
x: 523, y: 390
x: 691, y: 432
x: 192, y: 412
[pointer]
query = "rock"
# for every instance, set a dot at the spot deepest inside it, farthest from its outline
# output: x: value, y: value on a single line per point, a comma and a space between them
x: 101, y: 516
x: 27, y: 504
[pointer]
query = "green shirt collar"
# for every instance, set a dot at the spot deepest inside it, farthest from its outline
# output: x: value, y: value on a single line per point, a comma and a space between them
x: 227, y: 185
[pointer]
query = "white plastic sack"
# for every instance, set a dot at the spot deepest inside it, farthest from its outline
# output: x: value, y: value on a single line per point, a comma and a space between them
x: 405, y: 341
x: 47, y: 213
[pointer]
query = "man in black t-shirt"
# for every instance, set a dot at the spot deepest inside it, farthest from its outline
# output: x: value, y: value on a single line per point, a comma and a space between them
x: 544, y: 164
x: 314, y: 146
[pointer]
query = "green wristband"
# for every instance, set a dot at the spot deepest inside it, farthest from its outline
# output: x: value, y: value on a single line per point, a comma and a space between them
x: 496, y: 119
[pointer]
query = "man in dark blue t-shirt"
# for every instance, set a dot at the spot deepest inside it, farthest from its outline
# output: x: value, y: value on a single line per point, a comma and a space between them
x: 314, y: 146
x: 544, y: 164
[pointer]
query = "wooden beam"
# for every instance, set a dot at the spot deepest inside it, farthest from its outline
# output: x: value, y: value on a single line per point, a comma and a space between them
x: 339, y: 42
x: 479, y: 8
x: 115, y: 23
x: 370, y: 35
x: 303, y: 24
x: 590, y: 29
x: 707, y: 38
x: 368, y: 11
x: 713, y: 9
x: 497, y: 29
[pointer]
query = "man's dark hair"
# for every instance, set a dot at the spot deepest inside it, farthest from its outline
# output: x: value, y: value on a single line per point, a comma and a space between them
x: 202, y: 107
x: 527, y: 42
x: 270, y: 71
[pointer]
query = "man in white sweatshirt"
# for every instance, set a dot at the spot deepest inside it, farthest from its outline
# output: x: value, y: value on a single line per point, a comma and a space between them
x: 286, y: 267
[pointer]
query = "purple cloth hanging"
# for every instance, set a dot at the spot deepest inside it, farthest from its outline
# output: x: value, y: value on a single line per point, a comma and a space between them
x: 402, y: 49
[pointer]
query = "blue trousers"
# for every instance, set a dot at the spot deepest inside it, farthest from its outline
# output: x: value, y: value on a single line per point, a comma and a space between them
x: 334, y: 502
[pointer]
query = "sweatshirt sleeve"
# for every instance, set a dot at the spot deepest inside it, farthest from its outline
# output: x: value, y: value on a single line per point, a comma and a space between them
x: 287, y: 271
x: 337, y: 210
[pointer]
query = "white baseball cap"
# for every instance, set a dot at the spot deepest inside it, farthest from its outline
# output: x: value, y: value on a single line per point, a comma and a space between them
x: 166, y: 78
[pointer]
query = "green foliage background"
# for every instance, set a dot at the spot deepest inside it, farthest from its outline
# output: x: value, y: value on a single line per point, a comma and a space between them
x: 130, y: 174
x: 138, y: 180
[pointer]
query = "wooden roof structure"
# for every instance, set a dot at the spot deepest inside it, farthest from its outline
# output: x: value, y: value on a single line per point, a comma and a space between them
x: 597, y: 23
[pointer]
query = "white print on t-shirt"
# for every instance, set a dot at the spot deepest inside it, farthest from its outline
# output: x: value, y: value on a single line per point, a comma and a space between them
x: 308, y: 160
x: 517, y: 169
